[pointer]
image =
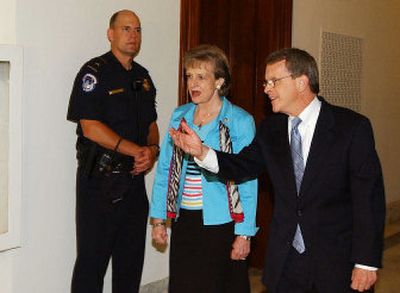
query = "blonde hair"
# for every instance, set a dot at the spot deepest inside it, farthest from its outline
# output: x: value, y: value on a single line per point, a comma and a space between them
x: 215, y: 56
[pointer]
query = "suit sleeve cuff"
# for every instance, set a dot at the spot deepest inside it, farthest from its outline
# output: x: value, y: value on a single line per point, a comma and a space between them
x: 210, y: 162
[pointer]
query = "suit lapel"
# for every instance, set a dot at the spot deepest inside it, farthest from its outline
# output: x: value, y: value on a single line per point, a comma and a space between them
x: 322, y: 139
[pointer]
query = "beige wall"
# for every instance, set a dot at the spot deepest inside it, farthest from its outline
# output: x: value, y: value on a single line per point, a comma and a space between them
x: 7, y: 21
x: 378, y: 24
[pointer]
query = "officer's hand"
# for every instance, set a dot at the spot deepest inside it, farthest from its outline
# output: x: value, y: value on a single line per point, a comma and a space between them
x: 145, y: 159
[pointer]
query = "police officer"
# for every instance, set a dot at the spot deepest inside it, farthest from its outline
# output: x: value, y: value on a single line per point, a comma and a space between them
x: 113, y: 104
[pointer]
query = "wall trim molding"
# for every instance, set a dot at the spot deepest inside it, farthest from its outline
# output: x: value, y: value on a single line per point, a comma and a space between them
x: 10, y: 201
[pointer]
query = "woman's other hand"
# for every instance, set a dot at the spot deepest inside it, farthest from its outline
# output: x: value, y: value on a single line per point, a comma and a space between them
x: 240, y: 248
x: 159, y: 232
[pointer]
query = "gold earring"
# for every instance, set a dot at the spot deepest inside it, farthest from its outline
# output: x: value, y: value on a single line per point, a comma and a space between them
x: 218, y: 87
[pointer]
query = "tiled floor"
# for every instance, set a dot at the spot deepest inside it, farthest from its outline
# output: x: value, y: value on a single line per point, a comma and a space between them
x: 389, y: 276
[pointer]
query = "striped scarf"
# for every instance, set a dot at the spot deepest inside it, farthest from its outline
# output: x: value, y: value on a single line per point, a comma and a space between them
x: 175, y: 171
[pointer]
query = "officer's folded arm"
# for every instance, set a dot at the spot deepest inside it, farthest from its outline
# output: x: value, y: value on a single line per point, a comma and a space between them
x: 103, y: 135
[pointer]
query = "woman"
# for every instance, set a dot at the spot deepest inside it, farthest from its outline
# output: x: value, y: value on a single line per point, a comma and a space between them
x: 213, y: 220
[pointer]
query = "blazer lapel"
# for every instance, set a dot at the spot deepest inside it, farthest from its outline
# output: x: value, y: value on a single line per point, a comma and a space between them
x: 224, y: 116
x: 322, y: 139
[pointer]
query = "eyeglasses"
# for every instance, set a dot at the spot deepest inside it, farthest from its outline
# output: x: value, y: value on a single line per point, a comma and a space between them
x: 271, y: 83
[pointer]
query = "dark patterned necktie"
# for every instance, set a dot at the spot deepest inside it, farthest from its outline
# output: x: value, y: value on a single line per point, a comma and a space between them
x: 298, y: 166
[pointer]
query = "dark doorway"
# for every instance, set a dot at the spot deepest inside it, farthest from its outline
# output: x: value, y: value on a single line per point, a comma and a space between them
x: 247, y: 30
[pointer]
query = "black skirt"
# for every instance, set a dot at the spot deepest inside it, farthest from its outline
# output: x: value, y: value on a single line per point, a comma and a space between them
x: 200, y: 257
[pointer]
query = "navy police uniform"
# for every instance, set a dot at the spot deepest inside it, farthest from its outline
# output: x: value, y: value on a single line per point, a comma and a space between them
x: 111, y: 204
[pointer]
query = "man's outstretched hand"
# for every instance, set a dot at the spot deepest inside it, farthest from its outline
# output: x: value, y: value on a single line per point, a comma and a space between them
x: 186, y: 139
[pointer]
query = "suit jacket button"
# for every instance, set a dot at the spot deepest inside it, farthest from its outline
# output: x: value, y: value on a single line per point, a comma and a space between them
x: 299, y: 212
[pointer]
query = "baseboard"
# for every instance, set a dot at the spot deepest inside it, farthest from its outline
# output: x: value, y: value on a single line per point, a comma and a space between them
x: 160, y: 286
x: 393, y: 212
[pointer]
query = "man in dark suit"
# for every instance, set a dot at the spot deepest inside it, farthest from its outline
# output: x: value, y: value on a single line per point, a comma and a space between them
x: 326, y: 233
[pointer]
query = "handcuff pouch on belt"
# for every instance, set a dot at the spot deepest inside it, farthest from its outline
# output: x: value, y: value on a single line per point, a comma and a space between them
x: 114, y: 169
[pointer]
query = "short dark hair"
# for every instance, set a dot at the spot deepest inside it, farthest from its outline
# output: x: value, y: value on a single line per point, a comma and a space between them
x: 217, y: 57
x: 114, y: 17
x: 298, y: 62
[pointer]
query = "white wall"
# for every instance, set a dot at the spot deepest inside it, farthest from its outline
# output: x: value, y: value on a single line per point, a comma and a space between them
x: 378, y: 24
x: 57, y: 38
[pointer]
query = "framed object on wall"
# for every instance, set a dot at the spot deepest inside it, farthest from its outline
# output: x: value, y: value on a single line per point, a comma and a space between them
x: 10, y: 146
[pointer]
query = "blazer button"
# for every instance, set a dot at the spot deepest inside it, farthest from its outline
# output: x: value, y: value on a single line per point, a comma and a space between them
x: 299, y: 212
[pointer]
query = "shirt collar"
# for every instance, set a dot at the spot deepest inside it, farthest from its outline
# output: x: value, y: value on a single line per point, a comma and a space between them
x: 310, y: 113
x: 114, y: 60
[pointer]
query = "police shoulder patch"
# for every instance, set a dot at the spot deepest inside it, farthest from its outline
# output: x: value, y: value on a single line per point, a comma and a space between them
x: 89, y: 82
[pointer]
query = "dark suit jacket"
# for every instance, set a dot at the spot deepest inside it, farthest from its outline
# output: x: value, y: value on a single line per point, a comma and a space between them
x: 341, y: 207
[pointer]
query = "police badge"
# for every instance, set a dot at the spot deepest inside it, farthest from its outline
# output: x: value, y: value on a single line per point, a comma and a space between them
x: 89, y: 82
x: 146, y: 85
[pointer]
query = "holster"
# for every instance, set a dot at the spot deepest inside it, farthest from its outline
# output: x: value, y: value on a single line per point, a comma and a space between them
x: 114, y: 169
x: 86, y: 151
x: 109, y: 168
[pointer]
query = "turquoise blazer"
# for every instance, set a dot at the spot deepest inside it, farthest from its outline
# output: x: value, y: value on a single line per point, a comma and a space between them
x: 215, y: 199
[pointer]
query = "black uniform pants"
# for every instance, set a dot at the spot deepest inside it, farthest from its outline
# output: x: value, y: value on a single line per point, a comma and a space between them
x: 200, y: 257
x: 109, y: 230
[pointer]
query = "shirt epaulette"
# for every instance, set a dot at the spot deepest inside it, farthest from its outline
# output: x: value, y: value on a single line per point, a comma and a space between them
x: 140, y: 68
x: 96, y: 63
